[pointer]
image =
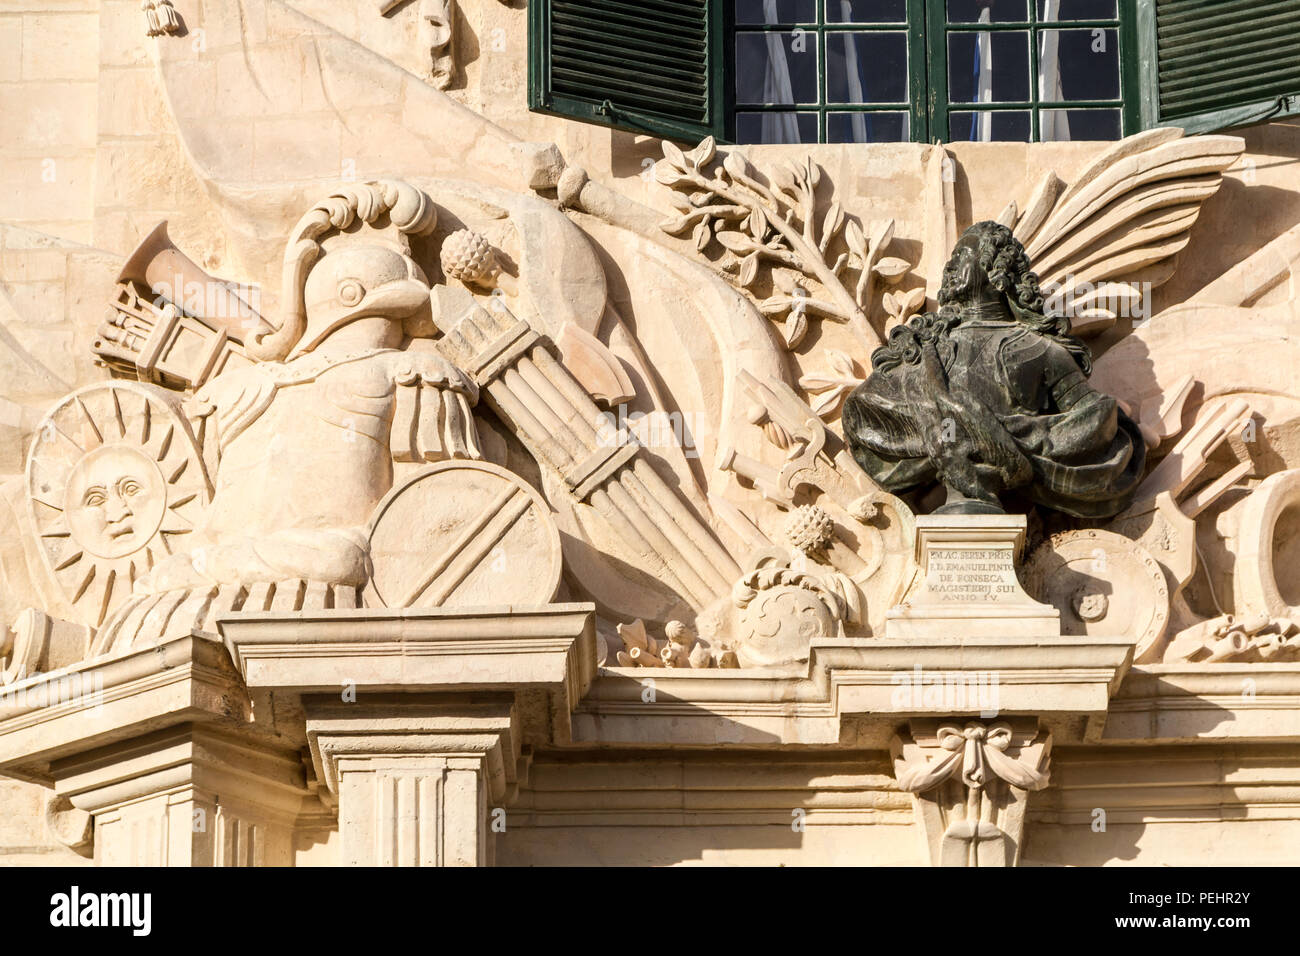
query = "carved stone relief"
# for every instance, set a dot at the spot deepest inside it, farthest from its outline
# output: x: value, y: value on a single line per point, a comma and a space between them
x: 970, y: 782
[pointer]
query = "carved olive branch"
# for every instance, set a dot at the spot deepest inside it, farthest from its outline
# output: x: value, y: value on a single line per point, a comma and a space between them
x: 772, y: 219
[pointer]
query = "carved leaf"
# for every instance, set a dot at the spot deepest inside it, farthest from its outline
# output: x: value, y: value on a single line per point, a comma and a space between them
x: 703, y: 154
x: 748, y: 270
x: 843, y: 363
x: 736, y: 164
x: 674, y: 155
x: 676, y: 225
x: 665, y: 174
x: 787, y: 280
x: 736, y: 241
x: 783, y: 179
x: 757, y: 223
x: 682, y: 202
x: 882, y: 235
x: 856, y: 239
x: 826, y: 403
x: 796, y: 171
x: 890, y: 303
x: 831, y: 224
x: 796, y: 327
x: 702, y: 235
x: 891, y: 269
x: 909, y: 302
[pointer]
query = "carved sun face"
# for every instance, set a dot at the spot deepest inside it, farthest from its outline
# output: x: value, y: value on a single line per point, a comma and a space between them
x: 110, y: 477
x: 116, y: 499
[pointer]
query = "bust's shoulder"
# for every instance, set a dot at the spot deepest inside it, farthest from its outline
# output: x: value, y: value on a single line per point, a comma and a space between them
x: 1026, y: 345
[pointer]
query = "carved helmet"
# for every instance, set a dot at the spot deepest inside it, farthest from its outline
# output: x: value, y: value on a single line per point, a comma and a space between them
x: 350, y: 257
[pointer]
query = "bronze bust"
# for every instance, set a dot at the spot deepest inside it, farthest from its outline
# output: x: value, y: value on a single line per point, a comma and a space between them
x: 991, y: 395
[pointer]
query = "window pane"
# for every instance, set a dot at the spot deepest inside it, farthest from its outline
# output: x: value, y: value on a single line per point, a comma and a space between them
x: 866, y: 11
x: 776, y: 68
x: 1078, y: 65
x: 1078, y: 124
x: 776, y: 11
x: 866, y: 67
x: 865, y: 127
x: 988, y: 67
x: 989, y: 126
x: 1049, y: 10
x: 776, y: 127
x: 999, y: 11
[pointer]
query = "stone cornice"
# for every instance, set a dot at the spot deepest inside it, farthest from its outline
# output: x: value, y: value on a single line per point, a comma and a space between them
x: 521, y: 650
x: 101, y: 701
x: 855, y: 692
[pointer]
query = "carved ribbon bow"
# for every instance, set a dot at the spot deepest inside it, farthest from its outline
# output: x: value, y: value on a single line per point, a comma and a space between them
x: 973, y: 750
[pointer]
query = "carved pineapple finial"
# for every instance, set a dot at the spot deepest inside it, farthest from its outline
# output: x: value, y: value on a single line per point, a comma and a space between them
x: 468, y: 256
x: 809, y: 529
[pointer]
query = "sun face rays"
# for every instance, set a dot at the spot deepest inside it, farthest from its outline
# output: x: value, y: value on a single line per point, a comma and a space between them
x: 113, y: 479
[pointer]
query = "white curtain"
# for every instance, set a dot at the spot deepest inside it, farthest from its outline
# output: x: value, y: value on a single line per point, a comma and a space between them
x: 984, y: 79
x: 777, y: 127
x: 1052, y: 124
x: 856, y: 92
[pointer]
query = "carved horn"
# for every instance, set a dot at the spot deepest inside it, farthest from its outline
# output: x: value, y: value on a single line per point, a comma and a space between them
x: 160, y: 266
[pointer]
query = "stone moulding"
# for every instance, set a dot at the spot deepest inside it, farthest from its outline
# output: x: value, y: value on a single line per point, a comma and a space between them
x: 550, y: 647
x: 857, y: 692
x: 158, y: 747
x: 1184, y: 703
x: 100, y: 702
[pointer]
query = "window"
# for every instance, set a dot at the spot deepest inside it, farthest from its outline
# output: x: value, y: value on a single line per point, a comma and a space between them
x: 836, y: 71
x: 804, y: 71
x: 1028, y: 70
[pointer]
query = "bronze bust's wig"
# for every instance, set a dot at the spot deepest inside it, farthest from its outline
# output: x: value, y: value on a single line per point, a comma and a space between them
x: 1004, y: 260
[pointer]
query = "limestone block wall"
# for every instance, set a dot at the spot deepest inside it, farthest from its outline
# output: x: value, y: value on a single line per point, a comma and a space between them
x: 49, y: 98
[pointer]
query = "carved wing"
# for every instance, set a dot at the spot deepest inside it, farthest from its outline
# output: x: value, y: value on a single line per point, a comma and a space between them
x: 1121, y: 222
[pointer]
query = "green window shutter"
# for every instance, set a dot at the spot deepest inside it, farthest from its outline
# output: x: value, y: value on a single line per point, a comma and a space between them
x: 1213, y: 64
x: 650, y: 66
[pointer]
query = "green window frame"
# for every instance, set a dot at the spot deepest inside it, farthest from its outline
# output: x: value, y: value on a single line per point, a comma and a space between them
x: 928, y: 31
x: 820, y: 30
x: 941, y: 108
x: 667, y: 67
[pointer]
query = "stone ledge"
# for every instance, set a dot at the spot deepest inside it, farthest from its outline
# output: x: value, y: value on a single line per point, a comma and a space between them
x: 855, y: 693
x: 75, y: 709
x: 1183, y: 703
x: 548, y: 649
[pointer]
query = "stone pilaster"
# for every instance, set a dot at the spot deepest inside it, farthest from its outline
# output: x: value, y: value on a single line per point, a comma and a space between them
x: 159, y: 747
x: 417, y: 779
x: 418, y: 721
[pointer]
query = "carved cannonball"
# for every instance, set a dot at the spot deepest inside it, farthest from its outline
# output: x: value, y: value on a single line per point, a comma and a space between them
x: 809, y: 529
x: 467, y: 256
